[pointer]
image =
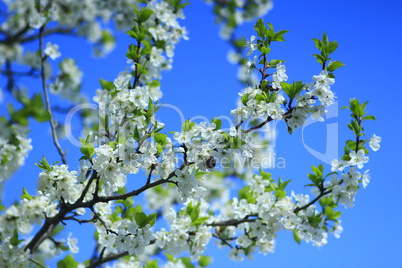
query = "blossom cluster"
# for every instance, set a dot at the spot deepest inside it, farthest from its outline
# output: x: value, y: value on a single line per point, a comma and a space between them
x: 14, y: 148
x: 123, y: 235
x: 176, y: 240
x: 233, y: 14
x: 185, y: 186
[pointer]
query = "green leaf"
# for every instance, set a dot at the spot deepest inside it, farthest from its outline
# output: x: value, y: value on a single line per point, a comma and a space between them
x: 44, y: 164
x: 282, y: 185
x: 273, y: 63
x: 332, y: 46
x: 151, y: 264
x: 57, y: 230
x: 151, y: 219
x: 279, y: 36
x: 132, y: 211
x: 160, y: 138
x: 145, y: 14
x: 225, y: 135
x: 188, y: 125
x: 154, y: 83
x: 296, y: 236
x: 199, y: 221
x: 269, y: 32
x: 331, y: 75
x: 135, y: 10
x: 312, y: 178
x: 326, y: 201
x: 187, y: 262
x: 315, y: 220
x: 132, y: 34
x: 260, y: 28
x: 169, y: 257
x: 244, y: 99
x: 217, y: 122
x: 266, y: 175
x: 334, y: 65
x: 136, y: 134
x: 245, y: 193
x: 108, y: 85
x: 204, y: 261
x: 264, y: 50
x: 159, y: 148
x: 319, y: 58
x: 316, y: 178
x: 25, y: 194
x: 317, y: 43
x: 318, y: 171
x: 332, y: 214
x: 67, y: 262
x: 195, y: 212
x: 37, y: 110
x: 369, y: 117
x: 87, y: 148
x: 280, y: 194
x: 260, y: 97
x: 351, y: 144
x: 63, y: 247
x: 292, y: 90
x: 141, y: 219
x: 14, y: 241
x: 324, y: 40
x: 41, y: 115
x: 236, y: 142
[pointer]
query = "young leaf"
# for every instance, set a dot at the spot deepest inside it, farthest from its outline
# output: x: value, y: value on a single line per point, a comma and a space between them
x: 217, y: 122
x: 260, y: 28
x: 145, y: 13
x: 296, y: 236
x: 334, y: 65
x: 141, y: 219
x: 67, y: 262
x: 44, y: 164
x: 25, y: 194
x: 14, y: 241
x: 204, y: 261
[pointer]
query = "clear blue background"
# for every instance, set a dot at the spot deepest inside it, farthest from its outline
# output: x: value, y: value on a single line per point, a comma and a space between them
x: 202, y: 82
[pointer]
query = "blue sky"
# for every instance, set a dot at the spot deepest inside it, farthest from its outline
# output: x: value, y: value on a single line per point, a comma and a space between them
x: 202, y: 82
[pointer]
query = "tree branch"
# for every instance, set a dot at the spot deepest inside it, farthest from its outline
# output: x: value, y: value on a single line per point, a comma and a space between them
x: 50, y: 223
x: 323, y: 193
x: 108, y: 258
x: 233, y: 222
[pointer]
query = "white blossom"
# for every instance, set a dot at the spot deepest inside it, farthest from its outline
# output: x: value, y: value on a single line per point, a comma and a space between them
x: 52, y: 50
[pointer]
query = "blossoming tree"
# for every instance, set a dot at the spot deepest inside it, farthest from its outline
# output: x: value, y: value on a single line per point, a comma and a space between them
x: 183, y: 175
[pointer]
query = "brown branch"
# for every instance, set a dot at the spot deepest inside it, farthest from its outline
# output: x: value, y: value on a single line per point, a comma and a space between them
x: 233, y: 222
x: 269, y: 119
x: 10, y: 40
x: 57, y: 30
x: 110, y: 257
x: 323, y: 193
x: 51, y: 223
x: 224, y: 240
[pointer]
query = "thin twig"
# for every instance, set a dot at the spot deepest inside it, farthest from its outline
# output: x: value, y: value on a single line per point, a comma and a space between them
x: 223, y: 240
x: 323, y: 193
x: 232, y: 222
x: 37, y: 263
x: 108, y: 258
x: 96, y: 216
x: 47, y: 100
